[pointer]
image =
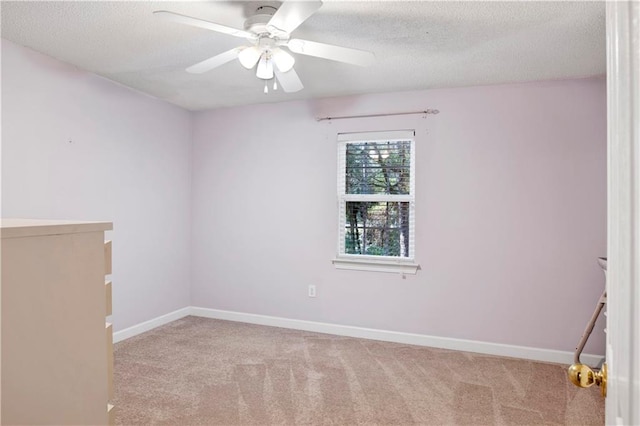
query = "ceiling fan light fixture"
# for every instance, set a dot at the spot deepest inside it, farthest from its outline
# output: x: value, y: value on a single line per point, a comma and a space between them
x: 265, y: 68
x: 249, y: 57
x: 283, y: 60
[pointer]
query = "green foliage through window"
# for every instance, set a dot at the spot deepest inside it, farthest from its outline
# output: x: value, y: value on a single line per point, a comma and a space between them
x: 377, y: 228
x: 378, y: 167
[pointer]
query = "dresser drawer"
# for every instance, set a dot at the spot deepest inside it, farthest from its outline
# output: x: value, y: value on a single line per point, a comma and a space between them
x: 109, y: 331
x: 107, y: 257
x: 107, y: 296
x: 111, y: 414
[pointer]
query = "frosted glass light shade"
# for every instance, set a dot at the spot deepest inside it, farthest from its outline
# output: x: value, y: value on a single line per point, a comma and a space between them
x: 265, y: 68
x: 283, y: 60
x: 249, y: 57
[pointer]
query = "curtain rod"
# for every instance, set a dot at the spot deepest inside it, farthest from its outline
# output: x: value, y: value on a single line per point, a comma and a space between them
x: 426, y: 111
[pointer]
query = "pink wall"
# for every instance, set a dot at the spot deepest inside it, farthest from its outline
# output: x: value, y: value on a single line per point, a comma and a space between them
x: 511, y: 192
x: 77, y: 146
x: 511, y: 213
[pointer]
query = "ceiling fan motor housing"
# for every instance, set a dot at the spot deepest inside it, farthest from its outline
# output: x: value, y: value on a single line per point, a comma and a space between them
x: 258, y: 22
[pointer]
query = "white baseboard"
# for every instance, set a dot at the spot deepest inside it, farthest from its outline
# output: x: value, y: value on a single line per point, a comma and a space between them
x: 121, y: 335
x: 523, y: 352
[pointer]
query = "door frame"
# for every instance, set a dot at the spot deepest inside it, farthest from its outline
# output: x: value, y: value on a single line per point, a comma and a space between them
x: 623, y: 212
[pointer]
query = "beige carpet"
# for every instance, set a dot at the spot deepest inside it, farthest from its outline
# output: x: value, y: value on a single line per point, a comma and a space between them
x: 203, y: 371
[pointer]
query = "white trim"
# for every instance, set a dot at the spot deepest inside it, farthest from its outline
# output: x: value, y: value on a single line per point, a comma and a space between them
x: 524, y: 352
x: 121, y: 335
x: 368, y: 263
x: 393, y: 198
x: 376, y: 136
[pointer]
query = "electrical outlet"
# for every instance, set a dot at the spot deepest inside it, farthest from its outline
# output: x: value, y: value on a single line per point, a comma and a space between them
x: 312, y: 291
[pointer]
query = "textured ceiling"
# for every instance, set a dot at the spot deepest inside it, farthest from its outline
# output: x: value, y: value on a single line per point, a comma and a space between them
x: 418, y: 45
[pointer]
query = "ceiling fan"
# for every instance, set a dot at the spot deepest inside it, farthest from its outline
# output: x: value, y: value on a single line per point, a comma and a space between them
x: 268, y: 32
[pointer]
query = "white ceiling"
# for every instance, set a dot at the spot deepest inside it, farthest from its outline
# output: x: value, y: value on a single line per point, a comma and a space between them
x: 418, y: 45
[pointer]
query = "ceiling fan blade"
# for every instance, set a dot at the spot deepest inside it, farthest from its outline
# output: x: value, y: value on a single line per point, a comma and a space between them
x: 289, y: 81
x: 195, y: 22
x: 291, y: 14
x: 334, y: 53
x: 216, y: 61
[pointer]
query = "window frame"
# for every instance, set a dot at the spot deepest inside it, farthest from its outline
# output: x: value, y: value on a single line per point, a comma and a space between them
x: 394, y: 264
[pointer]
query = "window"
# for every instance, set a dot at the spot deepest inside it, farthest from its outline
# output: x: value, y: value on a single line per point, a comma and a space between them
x: 376, y: 179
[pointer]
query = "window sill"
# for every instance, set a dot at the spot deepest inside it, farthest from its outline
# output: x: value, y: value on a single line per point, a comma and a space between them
x: 376, y: 265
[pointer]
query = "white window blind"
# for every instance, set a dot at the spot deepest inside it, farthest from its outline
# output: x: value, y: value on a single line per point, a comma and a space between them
x: 376, y: 197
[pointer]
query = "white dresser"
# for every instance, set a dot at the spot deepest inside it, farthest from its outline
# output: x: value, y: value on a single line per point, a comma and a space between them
x: 57, y: 349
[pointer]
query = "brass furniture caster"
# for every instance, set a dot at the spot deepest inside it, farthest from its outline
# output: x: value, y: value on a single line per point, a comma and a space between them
x: 584, y: 377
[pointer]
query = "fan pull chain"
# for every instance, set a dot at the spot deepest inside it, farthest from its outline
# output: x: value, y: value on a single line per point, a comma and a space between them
x: 275, y: 84
x: 266, y: 88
